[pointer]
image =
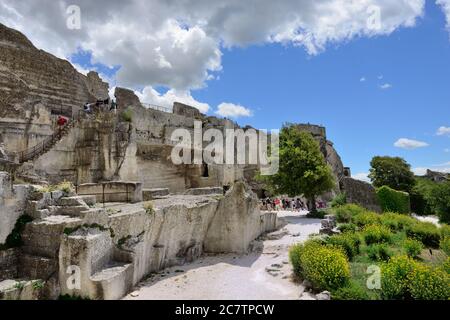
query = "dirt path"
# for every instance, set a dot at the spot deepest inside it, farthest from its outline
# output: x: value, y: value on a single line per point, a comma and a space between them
x: 256, y: 276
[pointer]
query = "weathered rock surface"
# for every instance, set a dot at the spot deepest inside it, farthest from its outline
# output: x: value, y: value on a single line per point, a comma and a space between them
x: 126, y: 98
x: 12, y: 204
x: 180, y: 230
x: 33, y: 85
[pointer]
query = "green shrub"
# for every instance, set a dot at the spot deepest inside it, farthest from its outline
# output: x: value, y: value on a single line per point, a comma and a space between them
x: 392, y: 200
x: 394, y: 277
x: 428, y: 283
x: 347, y: 227
x: 439, y: 200
x: 445, y: 245
x: 367, y: 218
x: 127, y: 115
x: 397, y: 222
x: 318, y: 214
x: 339, y: 200
x: 426, y: 232
x: 326, y: 268
x: 345, y: 213
x: 295, y: 253
x: 65, y: 186
x: 379, y: 252
x: 445, y: 230
x: 376, y: 234
x: 420, y: 196
x: 352, y: 291
x: 446, y: 265
x: 14, y: 240
x: 149, y: 208
x: 349, y: 242
x: 412, y: 247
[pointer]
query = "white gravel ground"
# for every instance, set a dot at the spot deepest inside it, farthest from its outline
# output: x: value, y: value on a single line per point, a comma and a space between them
x: 256, y: 276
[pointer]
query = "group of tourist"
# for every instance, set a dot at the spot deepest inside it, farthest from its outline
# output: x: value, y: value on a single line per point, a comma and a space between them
x: 288, y: 204
x: 285, y: 204
x: 89, y: 108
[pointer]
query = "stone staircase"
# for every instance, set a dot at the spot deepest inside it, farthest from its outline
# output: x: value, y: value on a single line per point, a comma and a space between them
x: 54, y: 214
x: 106, y: 274
x: 67, y: 231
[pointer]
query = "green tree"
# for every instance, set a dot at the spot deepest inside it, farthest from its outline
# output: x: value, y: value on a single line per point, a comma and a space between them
x: 439, y: 200
x: 393, y: 172
x: 303, y: 169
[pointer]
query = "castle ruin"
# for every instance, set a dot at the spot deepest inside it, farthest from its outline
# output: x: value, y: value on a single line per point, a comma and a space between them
x: 118, y: 161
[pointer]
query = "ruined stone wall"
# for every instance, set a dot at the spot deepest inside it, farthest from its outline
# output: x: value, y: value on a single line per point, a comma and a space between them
x: 125, y: 98
x: 186, y: 111
x: 34, y: 83
x: 361, y: 193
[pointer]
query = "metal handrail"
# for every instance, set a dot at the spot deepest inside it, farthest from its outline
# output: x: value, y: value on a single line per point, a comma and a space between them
x: 26, y: 155
x: 156, y: 107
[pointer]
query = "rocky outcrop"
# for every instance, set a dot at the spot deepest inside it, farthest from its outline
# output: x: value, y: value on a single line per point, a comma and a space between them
x: 34, y: 85
x: 12, y: 204
x: 179, y: 229
x: 126, y: 98
x: 186, y: 111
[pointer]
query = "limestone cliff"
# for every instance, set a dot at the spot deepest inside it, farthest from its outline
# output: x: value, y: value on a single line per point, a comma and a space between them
x: 34, y: 85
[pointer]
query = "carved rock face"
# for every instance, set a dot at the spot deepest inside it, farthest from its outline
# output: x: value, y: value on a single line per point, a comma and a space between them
x: 31, y: 80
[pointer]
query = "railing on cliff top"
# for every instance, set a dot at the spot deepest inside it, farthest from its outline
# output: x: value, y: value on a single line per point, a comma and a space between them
x: 159, y: 108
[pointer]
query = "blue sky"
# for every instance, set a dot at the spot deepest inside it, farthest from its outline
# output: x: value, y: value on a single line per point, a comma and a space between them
x: 341, y: 89
x: 285, y: 84
x: 290, y: 61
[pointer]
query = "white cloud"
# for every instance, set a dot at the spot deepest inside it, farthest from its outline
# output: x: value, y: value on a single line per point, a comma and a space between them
x: 363, y: 176
x: 363, y: 79
x: 410, y: 144
x: 385, y: 86
x: 178, y: 43
x: 443, y: 164
x: 151, y: 96
x: 445, y: 4
x: 447, y: 150
x: 420, y: 171
x: 443, y: 131
x: 231, y: 110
